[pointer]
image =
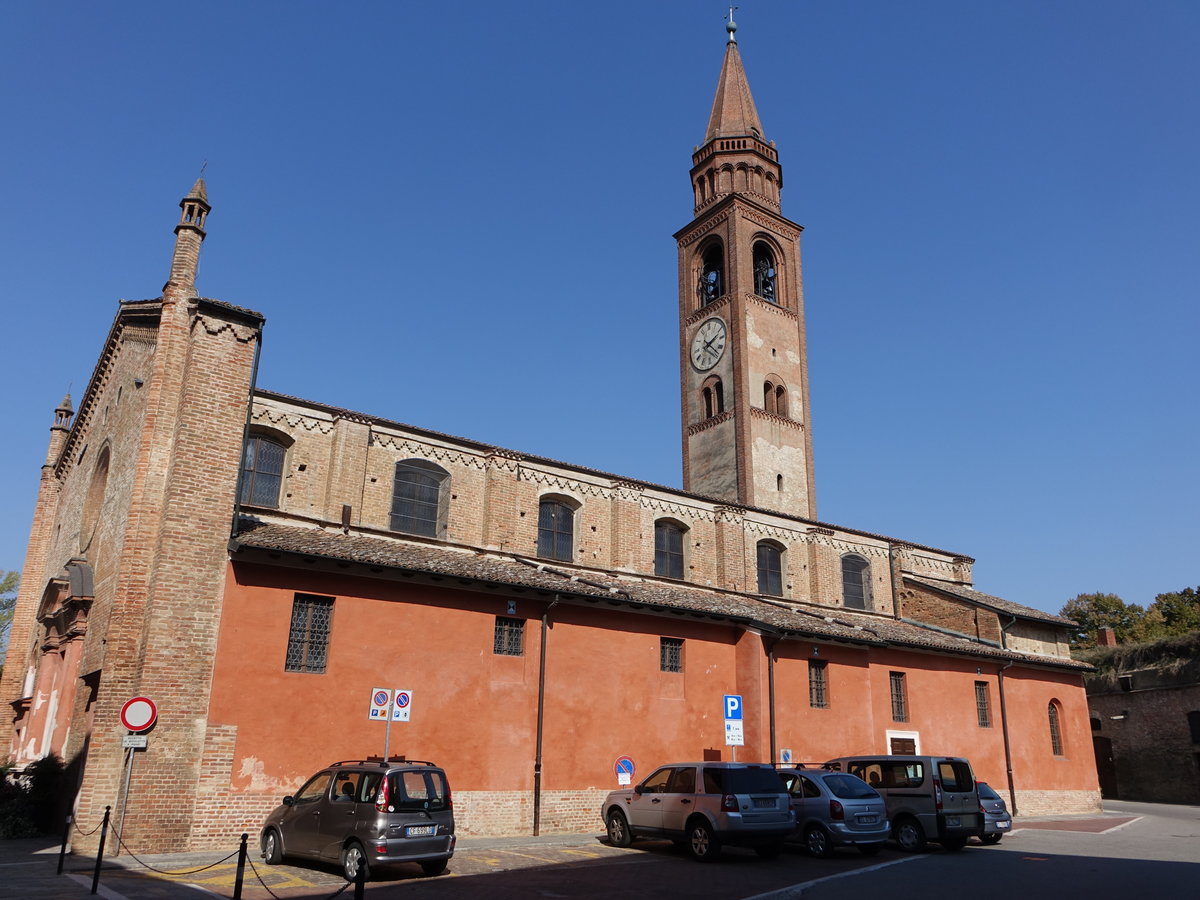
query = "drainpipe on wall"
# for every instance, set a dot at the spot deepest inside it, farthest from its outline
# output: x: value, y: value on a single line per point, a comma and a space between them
x: 1008, y: 766
x: 541, y: 707
x: 771, y: 695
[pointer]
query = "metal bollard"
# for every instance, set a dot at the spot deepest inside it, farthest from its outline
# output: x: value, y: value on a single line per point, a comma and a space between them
x: 62, y: 853
x: 100, y: 852
x: 241, y: 868
x: 360, y: 881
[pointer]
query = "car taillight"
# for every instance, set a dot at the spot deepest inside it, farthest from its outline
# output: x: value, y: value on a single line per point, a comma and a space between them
x: 449, y: 798
x: 381, y: 801
x: 937, y: 794
x: 729, y: 803
x: 835, y: 811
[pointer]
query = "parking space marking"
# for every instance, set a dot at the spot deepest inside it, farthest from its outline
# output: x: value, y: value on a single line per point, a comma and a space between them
x: 797, y: 889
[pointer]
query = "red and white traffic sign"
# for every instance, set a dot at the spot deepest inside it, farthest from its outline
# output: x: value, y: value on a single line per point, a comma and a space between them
x: 139, y: 713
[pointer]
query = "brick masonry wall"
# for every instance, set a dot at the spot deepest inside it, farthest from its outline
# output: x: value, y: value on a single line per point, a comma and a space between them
x: 1055, y: 803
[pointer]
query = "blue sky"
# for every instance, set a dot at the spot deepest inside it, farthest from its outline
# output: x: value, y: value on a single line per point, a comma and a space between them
x: 460, y: 216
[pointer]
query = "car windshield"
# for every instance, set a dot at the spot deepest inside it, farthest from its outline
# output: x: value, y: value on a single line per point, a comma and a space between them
x: 849, y: 787
x: 750, y: 780
x: 986, y: 792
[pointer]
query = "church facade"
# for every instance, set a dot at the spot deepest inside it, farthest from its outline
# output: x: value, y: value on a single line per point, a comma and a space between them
x: 258, y: 565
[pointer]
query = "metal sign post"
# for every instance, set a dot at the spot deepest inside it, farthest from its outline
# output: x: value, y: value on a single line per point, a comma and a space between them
x: 137, y: 715
x: 389, y: 706
x: 735, y: 735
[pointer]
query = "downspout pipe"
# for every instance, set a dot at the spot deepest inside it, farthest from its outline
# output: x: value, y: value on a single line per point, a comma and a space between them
x: 771, y: 695
x: 541, y: 718
x: 1008, y: 764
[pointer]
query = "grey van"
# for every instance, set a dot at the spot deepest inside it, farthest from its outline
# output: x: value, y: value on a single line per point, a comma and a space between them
x: 366, y: 813
x: 929, y: 798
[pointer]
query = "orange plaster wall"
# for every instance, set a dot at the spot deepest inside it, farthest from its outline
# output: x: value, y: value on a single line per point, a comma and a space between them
x: 1035, y: 766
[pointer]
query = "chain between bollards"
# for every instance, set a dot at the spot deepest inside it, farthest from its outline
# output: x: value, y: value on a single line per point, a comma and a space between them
x: 100, y: 852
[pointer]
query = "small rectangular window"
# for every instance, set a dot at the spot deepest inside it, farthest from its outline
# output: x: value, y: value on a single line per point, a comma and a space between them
x: 983, y: 704
x: 899, y: 697
x: 308, y: 639
x: 670, y: 654
x: 510, y: 637
x: 818, y: 689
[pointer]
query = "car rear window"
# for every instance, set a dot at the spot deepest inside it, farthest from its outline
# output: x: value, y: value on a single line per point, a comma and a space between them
x: 848, y: 787
x: 955, y: 775
x: 750, y: 780
x: 986, y: 792
x: 417, y: 789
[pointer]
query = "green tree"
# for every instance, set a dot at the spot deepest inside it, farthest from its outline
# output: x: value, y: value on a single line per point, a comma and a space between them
x: 9, y: 582
x: 1093, y: 611
x: 1180, y: 611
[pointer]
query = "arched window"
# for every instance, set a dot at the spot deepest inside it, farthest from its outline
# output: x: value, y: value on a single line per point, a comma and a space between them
x: 781, y: 403
x: 556, y: 529
x: 262, y: 471
x: 94, y: 500
x: 714, y: 396
x: 764, y: 272
x: 775, y: 396
x: 712, y: 275
x: 769, y: 397
x: 856, y: 582
x: 1056, y: 741
x: 770, y: 568
x: 420, y: 498
x: 668, y: 548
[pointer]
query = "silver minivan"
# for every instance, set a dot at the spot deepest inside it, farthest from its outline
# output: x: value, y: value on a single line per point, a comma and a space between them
x: 366, y: 813
x: 929, y: 798
x: 702, y: 806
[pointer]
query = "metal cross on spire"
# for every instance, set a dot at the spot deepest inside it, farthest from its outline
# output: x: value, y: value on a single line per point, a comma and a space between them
x: 731, y: 26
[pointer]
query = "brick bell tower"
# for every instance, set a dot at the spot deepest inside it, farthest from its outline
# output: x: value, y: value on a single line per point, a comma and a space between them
x: 743, y: 360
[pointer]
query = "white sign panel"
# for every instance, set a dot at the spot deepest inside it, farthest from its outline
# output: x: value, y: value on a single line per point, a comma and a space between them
x: 735, y: 736
x: 402, y: 706
x: 137, y: 741
x: 381, y: 702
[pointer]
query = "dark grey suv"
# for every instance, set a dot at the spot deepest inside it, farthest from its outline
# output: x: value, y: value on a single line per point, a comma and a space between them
x: 366, y: 813
x: 702, y: 806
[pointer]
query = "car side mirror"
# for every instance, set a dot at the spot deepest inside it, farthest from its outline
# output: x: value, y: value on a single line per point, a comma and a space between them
x: 289, y: 800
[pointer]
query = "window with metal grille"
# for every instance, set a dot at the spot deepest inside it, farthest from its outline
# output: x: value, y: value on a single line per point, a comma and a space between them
x: 262, y: 471
x: 668, y: 549
x: 770, y: 569
x: 556, y: 530
x: 818, y: 686
x: 670, y: 654
x: 308, y: 640
x: 1056, y: 744
x: 509, y: 639
x: 856, y: 588
x: 983, y: 704
x: 899, y: 697
x: 764, y: 272
x: 420, y: 498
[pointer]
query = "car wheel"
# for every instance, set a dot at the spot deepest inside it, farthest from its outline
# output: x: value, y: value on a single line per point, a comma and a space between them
x: 619, y: 834
x: 702, y: 843
x: 910, y: 835
x: 990, y: 838
x: 954, y: 844
x: 434, y: 866
x: 354, y: 858
x: 869, y: 849
x: 272, y: 849
x: 769, y: 851
x: 816, y: 839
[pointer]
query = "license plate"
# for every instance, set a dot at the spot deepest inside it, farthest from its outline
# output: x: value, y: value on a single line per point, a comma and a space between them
x: 953, y: 821
x: 867, y: 820
x: 764, y: 803
x: 420, y: 830
x: 1003, y: 825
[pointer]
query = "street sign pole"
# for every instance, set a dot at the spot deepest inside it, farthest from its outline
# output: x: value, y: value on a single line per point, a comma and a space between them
x: 387, y: 735
x: 124, y: 801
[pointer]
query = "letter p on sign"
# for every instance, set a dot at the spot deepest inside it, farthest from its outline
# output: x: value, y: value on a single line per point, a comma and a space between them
x: 733, y: 706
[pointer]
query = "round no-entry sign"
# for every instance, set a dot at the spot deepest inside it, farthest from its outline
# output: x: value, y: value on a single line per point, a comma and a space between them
x: 139, y: 713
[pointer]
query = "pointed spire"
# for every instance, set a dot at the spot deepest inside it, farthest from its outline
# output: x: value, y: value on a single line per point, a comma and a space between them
x: 63, y: 413
x: 733, y: 111
x: 189, y: 234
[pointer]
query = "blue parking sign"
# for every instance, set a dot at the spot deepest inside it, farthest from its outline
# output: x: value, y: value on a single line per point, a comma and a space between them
x: 733, y: 706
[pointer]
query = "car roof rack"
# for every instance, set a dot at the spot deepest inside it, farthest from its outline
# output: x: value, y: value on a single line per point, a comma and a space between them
x: 383, y: 763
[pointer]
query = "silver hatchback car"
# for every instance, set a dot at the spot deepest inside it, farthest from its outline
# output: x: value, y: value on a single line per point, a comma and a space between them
x: 702, y: 806
x: 996, y: 820
x: 366, y: 813
x: 836, y: 809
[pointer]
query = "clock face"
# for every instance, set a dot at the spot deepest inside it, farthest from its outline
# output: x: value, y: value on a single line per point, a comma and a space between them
x: 708, y: 344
